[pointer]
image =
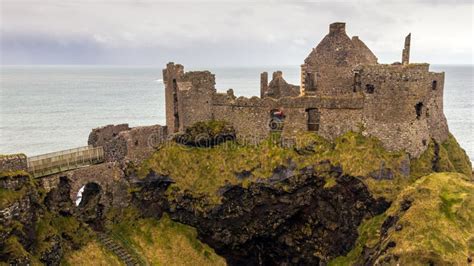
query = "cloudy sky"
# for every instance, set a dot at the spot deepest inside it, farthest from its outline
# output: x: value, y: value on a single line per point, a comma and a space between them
x: 226, y: 33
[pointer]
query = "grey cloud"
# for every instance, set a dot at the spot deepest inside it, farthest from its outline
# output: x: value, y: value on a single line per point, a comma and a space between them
x: 224, y: 33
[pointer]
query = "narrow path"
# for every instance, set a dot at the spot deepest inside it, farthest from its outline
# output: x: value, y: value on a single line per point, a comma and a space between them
x: 117, y: 249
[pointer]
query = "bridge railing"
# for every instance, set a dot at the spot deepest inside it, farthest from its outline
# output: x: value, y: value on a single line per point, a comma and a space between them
x: 55, y: 162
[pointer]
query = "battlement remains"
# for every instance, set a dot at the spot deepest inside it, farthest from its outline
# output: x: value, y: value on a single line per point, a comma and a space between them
x: 13, y: 162
x: 342, y: 88
x: 132, y: 144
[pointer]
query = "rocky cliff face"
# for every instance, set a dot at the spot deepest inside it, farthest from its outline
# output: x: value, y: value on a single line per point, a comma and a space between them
x: 37, y: 227
x: 18, y: 214
x: 343, y: 203
x: 295, y: 217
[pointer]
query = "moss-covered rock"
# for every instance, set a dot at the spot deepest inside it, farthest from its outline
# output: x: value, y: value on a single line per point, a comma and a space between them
x: 206, y: 134
x: 206, y: 170
x: 442, y: 157
x: 430, y: 222
x: 437, y: 228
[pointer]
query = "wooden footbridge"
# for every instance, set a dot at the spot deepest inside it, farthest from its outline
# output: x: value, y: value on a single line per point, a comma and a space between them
x: 56, y: 162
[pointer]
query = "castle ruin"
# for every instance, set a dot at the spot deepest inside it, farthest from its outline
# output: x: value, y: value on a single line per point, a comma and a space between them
x: 343, y: 88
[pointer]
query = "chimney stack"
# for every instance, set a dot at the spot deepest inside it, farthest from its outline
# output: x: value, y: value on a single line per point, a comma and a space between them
x: 337, y: 28
x: 406, y: 50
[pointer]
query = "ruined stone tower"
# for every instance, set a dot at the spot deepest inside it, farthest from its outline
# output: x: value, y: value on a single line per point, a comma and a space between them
x: 406, y: 50
x: 343, y: 88
x: 188, y: 96
x: 328, y: 69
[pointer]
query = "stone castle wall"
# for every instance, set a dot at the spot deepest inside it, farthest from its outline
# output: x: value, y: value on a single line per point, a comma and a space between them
x: 100, y: 136
x: 13, y: 162
x: 343, y: 88
x: 401, y: 106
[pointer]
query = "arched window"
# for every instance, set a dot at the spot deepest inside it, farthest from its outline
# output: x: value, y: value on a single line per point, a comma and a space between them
x: 419, y: 110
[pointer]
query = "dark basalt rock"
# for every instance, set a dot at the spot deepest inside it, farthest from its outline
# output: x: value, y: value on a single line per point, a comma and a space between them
x: 149, y: 196
x: 292, y: 219
x: 58, y: 200
x: 54, y: 254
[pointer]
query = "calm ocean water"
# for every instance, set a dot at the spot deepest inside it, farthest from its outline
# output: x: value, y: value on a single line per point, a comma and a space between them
x: 50, y: 108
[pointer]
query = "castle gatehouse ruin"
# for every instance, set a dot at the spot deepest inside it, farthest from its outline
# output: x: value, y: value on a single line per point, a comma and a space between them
x: 343, y: 88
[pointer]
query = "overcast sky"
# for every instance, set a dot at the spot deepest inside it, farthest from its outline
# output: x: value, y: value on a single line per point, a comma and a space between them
x: 226, y: 33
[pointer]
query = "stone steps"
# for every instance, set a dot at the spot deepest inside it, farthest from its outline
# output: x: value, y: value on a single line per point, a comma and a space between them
x: 117, y: 249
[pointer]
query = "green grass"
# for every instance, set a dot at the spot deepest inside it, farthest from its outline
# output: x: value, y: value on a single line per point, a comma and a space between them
x: 92, y: 253
x: 68, y: 228
x: 204, y: 170
x: 369, y: 235
x: 14, y: 249
x: 458, y: 157
x: 440, y: 220
x: 13, y: 155
x: 13, y: 173
x: 164, y: 242
x: 436, y: 228
x: 452, y: 158
x: 9, y: 196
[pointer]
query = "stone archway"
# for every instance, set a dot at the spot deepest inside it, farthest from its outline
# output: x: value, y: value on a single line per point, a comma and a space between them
x: 108, y: 177
x: 110, y: 186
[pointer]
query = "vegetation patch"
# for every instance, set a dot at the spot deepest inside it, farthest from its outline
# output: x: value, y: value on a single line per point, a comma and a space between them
x: 435, y: 229
x: 369, y: 236
x: 4, y: 174
x: 91, y: 254
x: 204, y: 170
x: 206, y: 134
x: 440, y: 221
x: 66, y: 227
x: 14, y: 249
x: 165, y: 242
x: 9, y: 196
x: 445, y: 157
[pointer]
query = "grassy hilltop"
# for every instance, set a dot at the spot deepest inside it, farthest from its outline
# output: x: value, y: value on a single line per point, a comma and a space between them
x: 429, y: 219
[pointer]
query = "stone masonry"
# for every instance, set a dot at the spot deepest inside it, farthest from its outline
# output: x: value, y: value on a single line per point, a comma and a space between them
x: 13, y: 162
x: 122, y: 143
x: 343, y: 88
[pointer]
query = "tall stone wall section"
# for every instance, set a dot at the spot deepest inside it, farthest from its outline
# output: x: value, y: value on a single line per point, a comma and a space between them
x: 13, y: 162
x: 171, y: 74
x: 195, y: 91
x: 402, y: 108
x: 251, y: 116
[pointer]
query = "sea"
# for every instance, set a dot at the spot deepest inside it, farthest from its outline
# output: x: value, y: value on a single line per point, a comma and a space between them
x: 50, y: 108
